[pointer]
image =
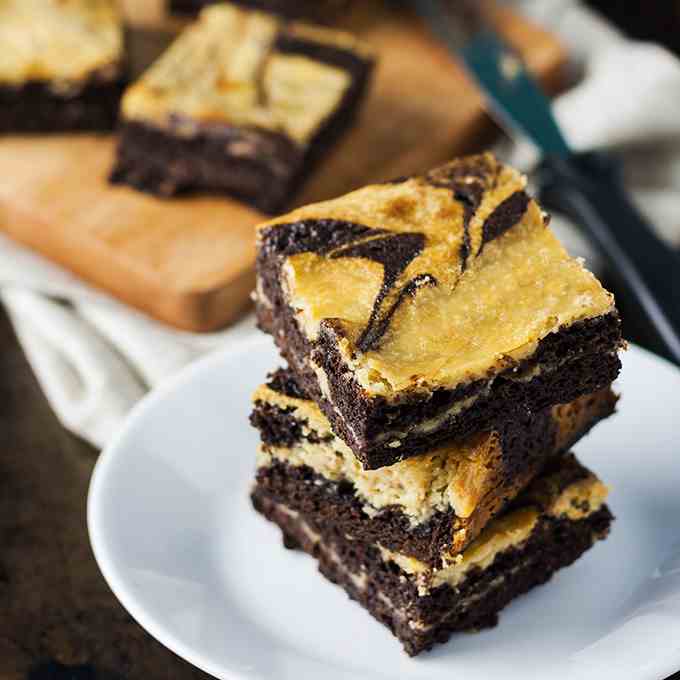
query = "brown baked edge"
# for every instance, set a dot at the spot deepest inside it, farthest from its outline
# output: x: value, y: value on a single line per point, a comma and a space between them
x: 588, y: 361
x: 163, y: 163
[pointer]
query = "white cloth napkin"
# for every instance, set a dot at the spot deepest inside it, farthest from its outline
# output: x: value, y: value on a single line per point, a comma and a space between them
x: 628, y: 101
x: 95, y: 358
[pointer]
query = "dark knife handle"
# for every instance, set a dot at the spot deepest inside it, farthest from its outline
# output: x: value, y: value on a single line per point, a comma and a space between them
x: 588, y: 188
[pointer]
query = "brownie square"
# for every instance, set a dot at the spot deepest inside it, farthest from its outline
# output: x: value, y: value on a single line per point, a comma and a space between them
x: 317, y: 10
x: 62, y: 66
x: 433, y: 307
x: 549, y: 526
x: 243, y: 102
x: 430, y: 507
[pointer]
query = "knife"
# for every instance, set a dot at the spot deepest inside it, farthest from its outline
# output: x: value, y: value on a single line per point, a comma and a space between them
x: 587, y: 187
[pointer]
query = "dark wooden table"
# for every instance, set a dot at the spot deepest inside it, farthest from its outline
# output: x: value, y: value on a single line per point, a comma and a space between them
x: 58, y: 619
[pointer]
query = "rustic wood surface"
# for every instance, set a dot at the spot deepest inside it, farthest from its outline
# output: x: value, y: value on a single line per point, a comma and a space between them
x: 190, y: 261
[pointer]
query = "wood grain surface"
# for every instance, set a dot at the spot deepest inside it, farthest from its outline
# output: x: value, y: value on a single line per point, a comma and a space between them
x: 189, y: 261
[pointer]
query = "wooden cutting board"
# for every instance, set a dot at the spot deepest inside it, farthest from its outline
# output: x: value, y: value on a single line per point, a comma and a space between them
x: 189, y: 262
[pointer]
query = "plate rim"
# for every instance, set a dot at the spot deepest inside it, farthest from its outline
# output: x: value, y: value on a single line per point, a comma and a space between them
x: 107, y: 456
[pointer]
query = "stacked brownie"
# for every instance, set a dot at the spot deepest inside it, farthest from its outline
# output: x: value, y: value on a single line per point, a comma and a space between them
x: 444, y: 353
x: 62, y: 65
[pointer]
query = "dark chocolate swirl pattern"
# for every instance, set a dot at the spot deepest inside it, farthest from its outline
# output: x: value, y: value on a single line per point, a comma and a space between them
x: 469, y: 180
x: 506, y: 214
x: 377, y: 327
x: 338, y: 239
x: 394, y: 252
x: 313, y: 236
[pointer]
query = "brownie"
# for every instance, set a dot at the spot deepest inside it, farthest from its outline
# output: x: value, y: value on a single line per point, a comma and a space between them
x: 62, y: 67
x: 317, y: 10
x: 241, y: 103
x: 429, y: 308
x: 548, y: 527
x: 429, y: 507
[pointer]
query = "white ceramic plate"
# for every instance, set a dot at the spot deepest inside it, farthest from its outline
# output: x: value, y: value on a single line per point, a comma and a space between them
x: 176, y: 539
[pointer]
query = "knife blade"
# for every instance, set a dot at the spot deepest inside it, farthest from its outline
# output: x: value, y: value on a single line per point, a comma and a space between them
x: 515, y: 100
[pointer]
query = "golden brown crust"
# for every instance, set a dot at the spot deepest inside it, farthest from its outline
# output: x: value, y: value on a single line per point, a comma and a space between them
x: 575, y: 416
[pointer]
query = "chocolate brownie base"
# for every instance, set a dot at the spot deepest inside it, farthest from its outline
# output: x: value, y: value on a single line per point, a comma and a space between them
x: 584, y: 355
x: 36, y: 107
x: 268, y: 168
x: 159, y: 162
x: 421, y: 622
x: 321, y: 10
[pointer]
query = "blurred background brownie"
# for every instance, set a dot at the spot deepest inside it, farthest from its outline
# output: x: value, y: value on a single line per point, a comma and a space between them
x: 62, y: 65
x: 241, y: 103
x: 318, y: 10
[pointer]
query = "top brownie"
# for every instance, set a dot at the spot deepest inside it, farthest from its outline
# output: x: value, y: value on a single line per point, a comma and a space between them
x: 240, y: 103
x: 61, y: 64
x: 432, y: 307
